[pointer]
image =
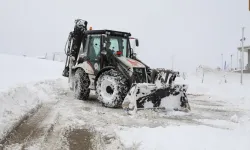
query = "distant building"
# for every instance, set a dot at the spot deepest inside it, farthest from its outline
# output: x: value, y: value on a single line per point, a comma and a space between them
x: 247, y: 66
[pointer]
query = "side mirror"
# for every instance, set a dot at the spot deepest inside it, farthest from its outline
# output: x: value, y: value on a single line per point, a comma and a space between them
x: 82, y: 58
x: 137, y: 42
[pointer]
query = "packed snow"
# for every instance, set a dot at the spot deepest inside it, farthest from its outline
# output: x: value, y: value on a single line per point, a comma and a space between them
x: 219, y: 117
x: 185, y: 137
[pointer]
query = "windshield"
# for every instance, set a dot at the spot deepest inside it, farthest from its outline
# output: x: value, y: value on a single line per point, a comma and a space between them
x: 116, y: 43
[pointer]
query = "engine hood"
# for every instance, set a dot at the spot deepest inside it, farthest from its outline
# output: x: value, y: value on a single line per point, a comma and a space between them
x: 131, y: 62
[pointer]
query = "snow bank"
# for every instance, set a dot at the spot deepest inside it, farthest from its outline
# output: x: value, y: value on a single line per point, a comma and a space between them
x: 18, y: 102
x: 24, y: 86
x: 184, y: 137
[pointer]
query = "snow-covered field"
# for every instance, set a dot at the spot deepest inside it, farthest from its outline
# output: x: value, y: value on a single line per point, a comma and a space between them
x: 220, y: 116
x: 19, y: 70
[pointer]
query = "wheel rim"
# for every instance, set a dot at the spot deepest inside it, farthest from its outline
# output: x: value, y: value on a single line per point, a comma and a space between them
x: 107, y: 89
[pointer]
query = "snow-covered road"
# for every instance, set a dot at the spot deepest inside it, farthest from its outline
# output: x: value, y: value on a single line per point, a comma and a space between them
x: 41, y: 113
x: 67, y: 123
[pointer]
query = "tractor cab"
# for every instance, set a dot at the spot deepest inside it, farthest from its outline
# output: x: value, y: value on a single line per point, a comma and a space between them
x: 98, y: 45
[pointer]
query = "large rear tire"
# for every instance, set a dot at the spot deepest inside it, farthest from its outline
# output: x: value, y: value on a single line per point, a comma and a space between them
x: 111, y: 88
x: 81, y: 85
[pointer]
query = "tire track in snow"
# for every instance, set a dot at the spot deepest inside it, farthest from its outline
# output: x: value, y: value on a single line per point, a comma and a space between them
x: 55, y: 127
x: 202, y: 108
x: 17, y: 124
x: 80, y: 139
x: 29, y: 129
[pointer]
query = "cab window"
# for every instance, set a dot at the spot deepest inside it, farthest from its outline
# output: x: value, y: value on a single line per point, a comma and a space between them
x: 116, y: 43
x: 94, y: 46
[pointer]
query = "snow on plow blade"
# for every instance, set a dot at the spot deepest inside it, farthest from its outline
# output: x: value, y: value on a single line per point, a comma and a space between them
x: 149, y: 96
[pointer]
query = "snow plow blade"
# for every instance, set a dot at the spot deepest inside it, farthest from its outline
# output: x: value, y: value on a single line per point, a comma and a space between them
x: 150, y: 96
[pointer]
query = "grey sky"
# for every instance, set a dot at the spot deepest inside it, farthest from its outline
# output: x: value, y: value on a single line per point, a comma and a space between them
x: 195, y: 31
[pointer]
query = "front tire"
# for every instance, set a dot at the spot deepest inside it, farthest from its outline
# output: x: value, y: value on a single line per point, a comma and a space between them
x: 111, y: 88
x: 81, y: 85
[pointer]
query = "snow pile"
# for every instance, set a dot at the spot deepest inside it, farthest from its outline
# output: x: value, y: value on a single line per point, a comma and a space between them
x: 18, y: 94
x: 234, y: 118
x: 18, y: 102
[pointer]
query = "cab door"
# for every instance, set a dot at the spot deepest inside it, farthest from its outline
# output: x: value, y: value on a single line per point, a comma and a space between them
x: 94, y: 48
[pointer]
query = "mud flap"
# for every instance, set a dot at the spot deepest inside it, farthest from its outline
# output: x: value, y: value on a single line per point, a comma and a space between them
x: 150, y: 96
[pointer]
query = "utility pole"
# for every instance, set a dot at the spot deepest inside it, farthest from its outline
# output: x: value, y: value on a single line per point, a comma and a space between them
x: 222, y: 62
x: 231, y: 61
x: 242, y: 55
x: 237, y: 61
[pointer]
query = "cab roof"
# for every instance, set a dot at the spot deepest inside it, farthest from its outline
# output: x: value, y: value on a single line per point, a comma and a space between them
x: 109, y: 32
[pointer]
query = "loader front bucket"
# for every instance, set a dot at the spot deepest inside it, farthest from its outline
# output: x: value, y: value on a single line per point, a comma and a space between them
x: 150, y: 96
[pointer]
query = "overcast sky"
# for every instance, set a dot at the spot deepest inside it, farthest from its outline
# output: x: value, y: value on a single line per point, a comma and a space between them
x: 195, y: 31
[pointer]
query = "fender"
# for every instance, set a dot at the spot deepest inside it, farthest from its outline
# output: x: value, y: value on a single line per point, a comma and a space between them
x: 86, y: 66
x: 101, y: 71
